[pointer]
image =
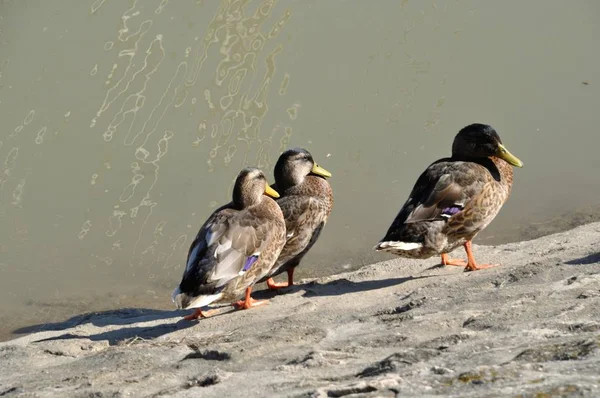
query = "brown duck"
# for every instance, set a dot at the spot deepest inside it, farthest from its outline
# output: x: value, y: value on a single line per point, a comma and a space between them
x: 235, y: 247
x: 306, y: 202
x: 454, y: 199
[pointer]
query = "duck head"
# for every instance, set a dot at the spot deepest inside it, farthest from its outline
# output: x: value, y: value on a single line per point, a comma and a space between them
x: 294, y: 165
x: 250, y: 187
x: 482, y: 141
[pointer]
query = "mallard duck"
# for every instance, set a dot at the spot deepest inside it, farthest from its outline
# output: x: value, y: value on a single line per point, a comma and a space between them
x: 235, y: 247
x: 454, y: 199
x: 306, y: 201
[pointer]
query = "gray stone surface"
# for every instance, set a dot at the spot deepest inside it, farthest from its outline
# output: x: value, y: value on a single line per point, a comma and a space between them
x: 530, y: 328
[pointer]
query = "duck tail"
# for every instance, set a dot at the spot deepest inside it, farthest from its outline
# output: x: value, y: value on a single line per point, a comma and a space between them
x: 395, y: 246
x: 185, y: 301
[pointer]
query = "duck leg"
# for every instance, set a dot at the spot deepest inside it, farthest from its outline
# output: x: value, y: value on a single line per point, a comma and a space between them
x: 446, y: 260
x: 471, y: 264
x: 249, y: 302
x: 198, y: 313
x: 274, y: 285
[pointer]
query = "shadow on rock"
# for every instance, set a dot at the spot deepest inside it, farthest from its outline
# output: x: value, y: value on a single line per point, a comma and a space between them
x: 124, y: 316
x: 267, y: 294
x: 339, y: 287
x: 116, y: 336
x: 591, y: 259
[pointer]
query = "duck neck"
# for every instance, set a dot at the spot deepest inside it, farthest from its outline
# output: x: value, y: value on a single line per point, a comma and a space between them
x: 498, y: 168
x: 286, y: 180
x: 506, y: 171
x: 242, y: 200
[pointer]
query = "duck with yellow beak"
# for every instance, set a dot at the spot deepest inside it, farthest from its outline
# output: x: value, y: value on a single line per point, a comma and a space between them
x: 306, y: 202
x: 454, y: 199
x: 235, y: 247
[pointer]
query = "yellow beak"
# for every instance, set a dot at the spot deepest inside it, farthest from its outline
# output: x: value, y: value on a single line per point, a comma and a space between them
x: 270, y: 191
x: 504, y: 154
x: 318, y: 170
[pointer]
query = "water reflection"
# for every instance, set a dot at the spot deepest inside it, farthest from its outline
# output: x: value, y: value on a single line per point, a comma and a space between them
x: 125, y: 124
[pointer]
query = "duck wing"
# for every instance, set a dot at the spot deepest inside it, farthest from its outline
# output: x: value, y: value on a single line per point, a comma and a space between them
x: 211, y: 230
x: 441, y: 191
x: 303, y: 215
x: 238, y: 247
x: 226, y: 246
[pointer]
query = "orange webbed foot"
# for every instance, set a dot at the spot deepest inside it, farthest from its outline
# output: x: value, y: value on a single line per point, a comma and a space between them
x: 452, y: 261
x: 477, y: 267
x: 471, y: 263
x: 198, y: 313
x: 247, y: 304
x: 274, y: 285
x: 248, y: 301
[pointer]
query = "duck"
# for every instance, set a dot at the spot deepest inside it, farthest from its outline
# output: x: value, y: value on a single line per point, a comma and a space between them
x: 236, y: 246
x: 454, y: 199
x: 306, y: 202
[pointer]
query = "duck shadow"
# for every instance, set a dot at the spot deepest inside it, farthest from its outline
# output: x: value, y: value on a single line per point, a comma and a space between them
x: 123, y: 316
x: 343, y: 286
x: 336, y: 287
x: 118, y: 336
x: 128, y: 316
x: 267, y: 294
x: 587, y: 260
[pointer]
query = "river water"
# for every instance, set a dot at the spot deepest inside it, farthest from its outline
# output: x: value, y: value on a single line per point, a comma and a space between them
x: 124, y: 124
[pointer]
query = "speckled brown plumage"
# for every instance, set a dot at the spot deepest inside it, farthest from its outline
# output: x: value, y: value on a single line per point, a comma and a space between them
x: 454, y: 199
x: 264, y: 224
x: 306, y: 202
x: 235, y: 247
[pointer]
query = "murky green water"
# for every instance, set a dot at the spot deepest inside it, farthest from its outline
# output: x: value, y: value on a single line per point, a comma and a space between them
x: 124, y: 124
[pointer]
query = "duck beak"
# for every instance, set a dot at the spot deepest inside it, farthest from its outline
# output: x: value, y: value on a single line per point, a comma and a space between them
x: 504, y: 154
x: 270, y: 191
x: 318, y: 170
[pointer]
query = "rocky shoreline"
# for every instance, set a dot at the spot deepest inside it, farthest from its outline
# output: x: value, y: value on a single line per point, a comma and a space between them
x: 530, y: 328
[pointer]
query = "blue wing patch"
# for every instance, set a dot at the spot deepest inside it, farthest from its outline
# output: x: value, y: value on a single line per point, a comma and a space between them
x: 249, y: 261
x: 450, y: 211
